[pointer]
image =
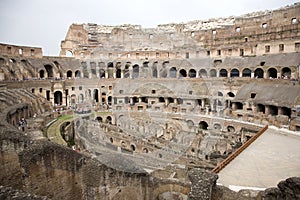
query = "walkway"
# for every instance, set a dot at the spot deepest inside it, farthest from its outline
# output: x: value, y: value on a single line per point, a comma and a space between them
x: 273, y: 157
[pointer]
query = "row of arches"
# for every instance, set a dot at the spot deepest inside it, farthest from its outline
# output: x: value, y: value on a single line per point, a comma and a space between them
x: 173, y: 72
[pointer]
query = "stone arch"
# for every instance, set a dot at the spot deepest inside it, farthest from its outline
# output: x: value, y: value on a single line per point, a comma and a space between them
x: 108, y: 120
x: 126, y: 73
x: 132, y: 147
x: 192, y: 73
x: 182, y: 73
x: 69, y: 53
x: 96, y: 95
x: 145, y: 150
x: 190, y: 124
x: 77, y: 74
x: 203, y: 125
x: 80, y: 98
x: 49, y: 70
x: 58, y: 98
x: 42, y: 73
x: 286, y: 72
x: 101, y: 73
x: 230, y: 129
x: 234, y: 73
x: 223, y: 73
x: 99, y: 119
x: 173, y: 72
x: 231, y: 94
x: 217, y: 126
x: 202, y: 73
x: 135, y: 71
x: 259, y: 73
x: 272, y: 72
x: 213, y: 73
x: 69, y: 74
x: 154, y: 70
x: 246, y: 72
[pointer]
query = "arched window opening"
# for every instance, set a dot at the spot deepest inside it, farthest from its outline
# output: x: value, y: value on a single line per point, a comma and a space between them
x: 192, y: 73
x: 135, y: 71
x: 69, y: 74
x: 161, y: 99
x: 96, y: 95
x: 111, y: 140
x: 49, y: 70
x: 99, y: 119
x: 182, y: 73
x: 234, y: 73
x: 132, y: 147
x: 272, y: 73
x: 261, y: 108
x: 203, y: 125
x: 273, y: 110
x: 58, y: 98
x: 110, y: 65
x: 154, y: 70
x: 203, y: 73
x: 69, y: 53
x: 223, y: 73
x: 173, y: 72
x: 118, y: 73
x: 102, y: 73
x: 217, y: 126
x: 286, y: 73
x: 259, y: 73
x: 190, y: 124
x: 212, y: 73
x: 145, y: 150
x: 246, y: 73
x: 238, y: 106
x: 42, y: 73
x: 230, y: 94
x: 286, y: 111
x: 230, y: 129
x: 80, y: 98
x: 108, y: 120
x: 109, y: 100
x: 220, y: 94
x: 77, y: 74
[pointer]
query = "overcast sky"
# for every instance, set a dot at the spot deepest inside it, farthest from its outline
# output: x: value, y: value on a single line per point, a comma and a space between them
x: 44, y: 23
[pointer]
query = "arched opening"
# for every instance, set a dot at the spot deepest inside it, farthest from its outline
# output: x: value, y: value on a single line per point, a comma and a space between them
x: 259, y: 73
x: 111, y: 140
x: 126, y: 73
x: 145, y: 150
x: 272, y: 73
x: 217, y: 126
x: 154, y: 70
x: 69, y: 74
x: 261, y: 108
x: 132, y: 147
x: 99, y: 119
x: 102, y: 73
x: 108, y: 120
x: 286, y: 73
x: 190, y: 124
x: 286, y: 111
x: 213, y: 73
x: 96, y: 95
x: 223, y: 73
x: 220, y: 94
x: 77, y: 74
x: 182, y: 73
x: 238, y: 106
x: 135, y: 71
x: 192, y: 73
x: 118, y: 73
x: 69, y: 53
x: 203, y: 73
x: 230, y: 94
x: 58, y: 98
x: 173, y: 72
x: 42, y: 73
x: 49, y: 70
x: 230, y: 129
x: 203, y: 125
x: 73, y: 99
x: 246, y: 73
x: 135, y: 100
x: 109, y: 100
x: 273, y: 110
x: 80, y: 98
x: 234, y: 73
x: 161, y: 99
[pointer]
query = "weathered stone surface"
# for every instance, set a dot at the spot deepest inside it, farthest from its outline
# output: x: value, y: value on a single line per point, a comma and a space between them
x: 8, y: 193
x: 202, y: 184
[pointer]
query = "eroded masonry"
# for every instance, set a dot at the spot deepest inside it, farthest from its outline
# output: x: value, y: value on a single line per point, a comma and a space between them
x: 126, y: 112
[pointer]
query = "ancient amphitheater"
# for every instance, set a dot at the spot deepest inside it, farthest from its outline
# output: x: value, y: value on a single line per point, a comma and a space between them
x: 126, y: 112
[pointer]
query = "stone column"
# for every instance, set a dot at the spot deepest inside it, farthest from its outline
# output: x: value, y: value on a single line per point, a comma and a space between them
x: 202, y: 184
